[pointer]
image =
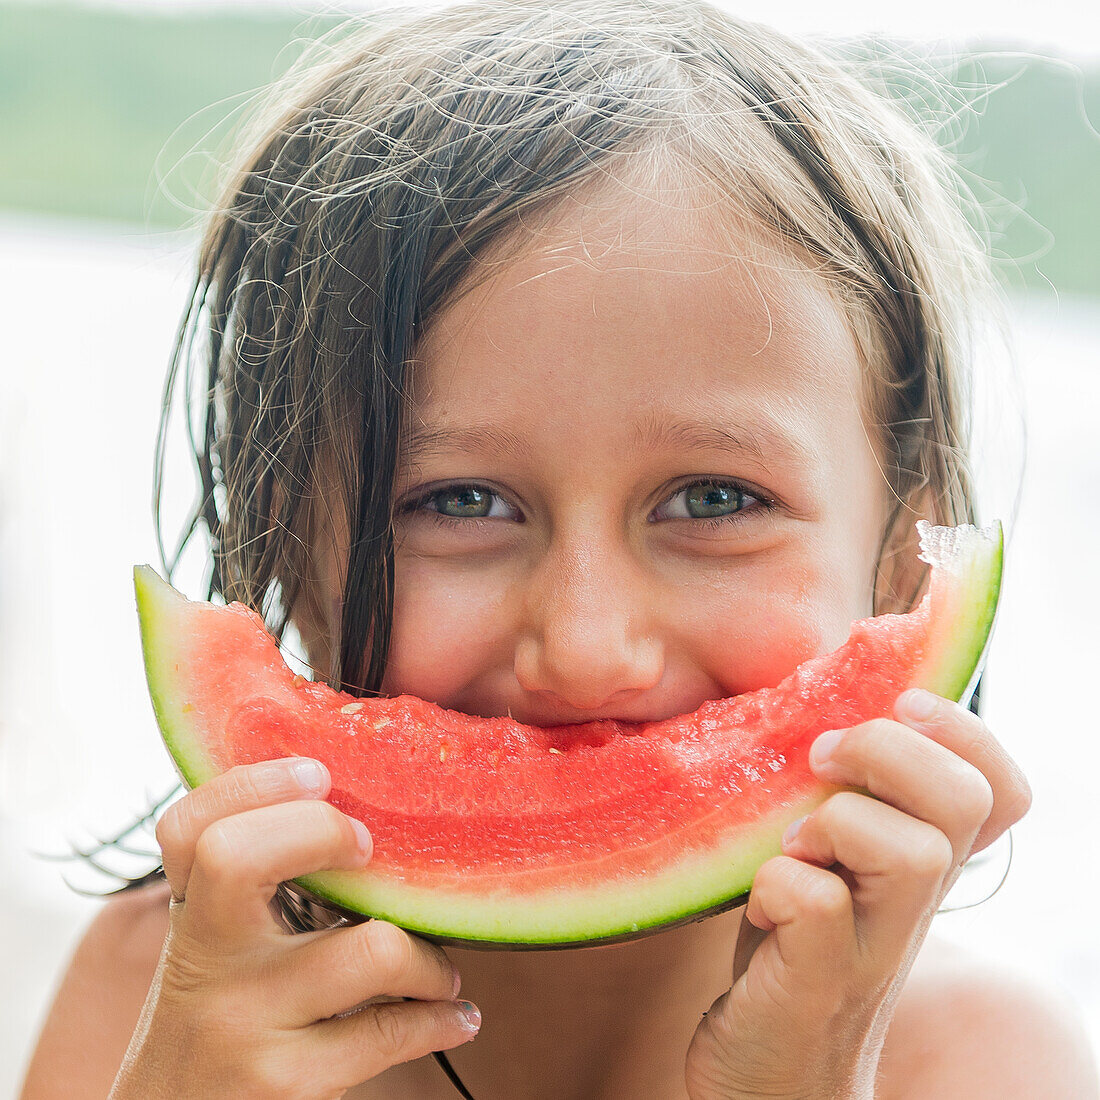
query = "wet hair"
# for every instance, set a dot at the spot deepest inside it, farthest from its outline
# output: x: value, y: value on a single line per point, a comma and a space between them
x: 401, y: 158
x: 404, y: 159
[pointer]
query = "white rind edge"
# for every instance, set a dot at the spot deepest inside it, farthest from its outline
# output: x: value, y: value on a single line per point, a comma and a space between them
x: 960, y: 556
x: 944, y: 547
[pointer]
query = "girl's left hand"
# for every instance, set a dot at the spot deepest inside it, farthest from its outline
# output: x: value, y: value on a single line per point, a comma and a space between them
x: 850, y: 901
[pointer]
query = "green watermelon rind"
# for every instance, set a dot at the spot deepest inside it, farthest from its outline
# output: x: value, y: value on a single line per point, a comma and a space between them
x: 156, y: 600
x: 968, y: 609
x: 697, y: 886
x: 965, y: 595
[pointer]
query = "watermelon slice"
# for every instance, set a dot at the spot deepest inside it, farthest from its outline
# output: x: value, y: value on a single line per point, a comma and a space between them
x: 494, y: 833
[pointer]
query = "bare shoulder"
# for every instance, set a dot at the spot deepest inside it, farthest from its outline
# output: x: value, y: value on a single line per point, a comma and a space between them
x: 966, y: 1030
x: 99, y: 1000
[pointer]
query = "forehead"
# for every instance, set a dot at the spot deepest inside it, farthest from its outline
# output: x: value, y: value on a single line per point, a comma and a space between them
x: 638, y: 306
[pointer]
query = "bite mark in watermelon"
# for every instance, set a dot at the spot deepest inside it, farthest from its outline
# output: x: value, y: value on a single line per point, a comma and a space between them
x: 489, y: 832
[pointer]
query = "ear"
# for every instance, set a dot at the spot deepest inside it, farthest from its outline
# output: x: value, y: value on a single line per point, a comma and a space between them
x: 901, y: 577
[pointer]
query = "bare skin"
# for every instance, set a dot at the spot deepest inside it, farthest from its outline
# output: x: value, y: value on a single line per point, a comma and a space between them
x: 1019, y: 1041
x: 612, y: 348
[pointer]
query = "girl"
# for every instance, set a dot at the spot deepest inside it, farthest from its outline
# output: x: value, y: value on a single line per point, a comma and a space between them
x: 576, y: 363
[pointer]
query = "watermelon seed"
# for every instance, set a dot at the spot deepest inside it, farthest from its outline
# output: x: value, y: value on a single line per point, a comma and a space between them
x: 299, y: 679
x: 443, y: 751
x: 351, y: 708
x: 556, y: 752
x: 381, y: 724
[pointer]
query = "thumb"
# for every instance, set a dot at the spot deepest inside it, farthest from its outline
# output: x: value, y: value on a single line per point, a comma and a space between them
x: 809, y: 912
x: 759, y: 1038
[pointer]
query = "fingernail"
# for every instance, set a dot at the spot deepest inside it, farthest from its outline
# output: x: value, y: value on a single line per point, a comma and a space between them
x: 457, y: 981
x: 469, y: 1018
x: 918, y: 704
x: 310, y: 775
x: 823, y: 747
x: 792, y: 830
x: 362, y: 835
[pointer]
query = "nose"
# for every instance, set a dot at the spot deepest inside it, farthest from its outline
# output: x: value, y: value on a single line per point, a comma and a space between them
x: 585, y: 642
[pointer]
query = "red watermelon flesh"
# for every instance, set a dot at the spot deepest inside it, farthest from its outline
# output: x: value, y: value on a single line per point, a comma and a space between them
x: 489, y: 831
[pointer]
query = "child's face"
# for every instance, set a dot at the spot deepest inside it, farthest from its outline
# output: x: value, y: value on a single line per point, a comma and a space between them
x: 638, y: 478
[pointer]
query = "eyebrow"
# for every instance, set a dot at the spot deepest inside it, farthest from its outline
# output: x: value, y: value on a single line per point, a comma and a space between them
x: 761, y: 441
x: 424, y: 442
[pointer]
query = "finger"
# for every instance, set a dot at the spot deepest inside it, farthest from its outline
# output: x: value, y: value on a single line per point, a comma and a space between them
x: 368, y: 1042
x: 908, y: 770
x: 245, y: 787
x: 899, y: 867
x: 365, y: 961
x: 811, y: 912
x: 966, y: 735
x: 240, y: 860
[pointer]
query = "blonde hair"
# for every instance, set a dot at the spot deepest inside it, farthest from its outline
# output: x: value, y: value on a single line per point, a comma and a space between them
x: 396, y: 154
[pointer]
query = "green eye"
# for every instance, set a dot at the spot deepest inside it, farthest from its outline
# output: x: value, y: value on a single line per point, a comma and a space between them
x: 462, y: 502
x: 708, y: 499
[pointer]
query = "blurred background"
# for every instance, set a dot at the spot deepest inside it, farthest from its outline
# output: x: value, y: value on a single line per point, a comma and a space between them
x: 112, y: 122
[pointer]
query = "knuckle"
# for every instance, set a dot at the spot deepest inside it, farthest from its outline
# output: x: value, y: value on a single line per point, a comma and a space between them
x: 973, y: 797
x: 219, y: 852
x: 877, y: 728
x: 1021, y: 799
x: 932, y: 857
x: 771, y: 875
x: 388, y: 951
x: 870, y: 737
x: 327, y: 821
x: 243, y: 788
x: 971, y: 725
x: 952, y: 710
x: 439, y: 968
x: 448, y: 972
x: 824, y: 896
x: 866, y: 743
x: 840, y: 806
x: 837, y: 813
x: 387, y: 1033
x: 170, y: 831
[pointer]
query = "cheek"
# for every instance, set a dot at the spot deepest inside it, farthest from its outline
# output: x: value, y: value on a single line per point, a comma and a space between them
x: 443, y: 631
x: 759, y: 629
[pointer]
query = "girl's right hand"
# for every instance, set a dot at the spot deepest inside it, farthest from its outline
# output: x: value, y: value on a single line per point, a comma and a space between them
x: 238, y: 1008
